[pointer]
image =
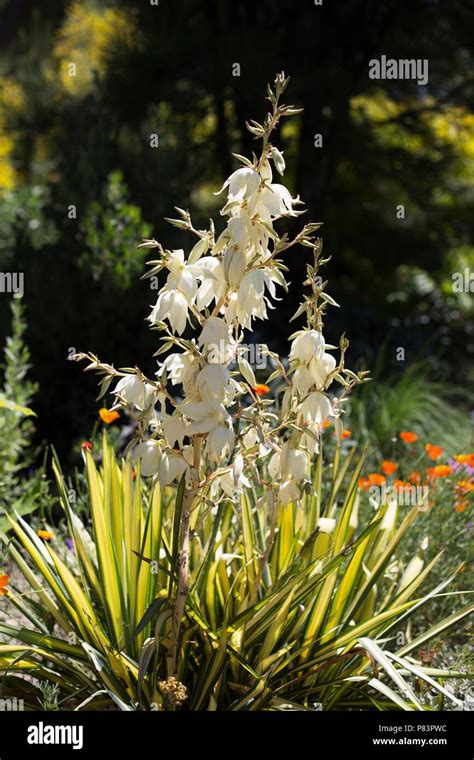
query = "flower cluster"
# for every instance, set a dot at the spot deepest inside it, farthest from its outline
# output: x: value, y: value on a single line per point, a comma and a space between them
x: 203, y: 415
x: 425, y: 470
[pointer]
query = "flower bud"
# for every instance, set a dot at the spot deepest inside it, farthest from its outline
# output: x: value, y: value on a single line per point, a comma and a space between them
x: 234, y: 266
x: 278, y: 160
x: 198, y: 250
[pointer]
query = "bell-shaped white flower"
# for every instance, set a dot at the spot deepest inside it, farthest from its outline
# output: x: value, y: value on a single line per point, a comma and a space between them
x: 205, y: 415
x: 288, y: 492
x: 220, y: 442
x: 310, y: 444
x: 321, y: 368
x: 316, y: 408
x: 239, y: 229
x: 293, y: 462
x: 234, y: 265
x: 242, y: 183
x: 214, y: 330
x: 172, y: 467
x: 326, y: 524
x: 274, y: 466
x: 148, y: 453
x: 134, y: 391
x: 306, y: 345
x: 174, y: 429
x: 250, y: 439
x: 275, y: 201
x: 216, y: 339
x: 251, y: 302
x: 214, y: 382
x: 180, y: 368
x: 303, y: 380
x: 181, y: 276
x: 234, y: 481
x: 277, y: 157
x: 173, y: 306
x: 211, y: 275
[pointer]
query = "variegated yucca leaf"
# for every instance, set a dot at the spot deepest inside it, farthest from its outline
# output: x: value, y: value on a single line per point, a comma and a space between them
x: 288, y: 606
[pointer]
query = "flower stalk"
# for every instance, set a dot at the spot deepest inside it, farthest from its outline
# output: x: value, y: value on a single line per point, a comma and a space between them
x: 205, y: 417
x: 183, y: 558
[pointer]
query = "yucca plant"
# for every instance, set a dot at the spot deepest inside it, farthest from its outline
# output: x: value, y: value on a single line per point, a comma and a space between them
x: 238, y: 577
x: 288, y: 605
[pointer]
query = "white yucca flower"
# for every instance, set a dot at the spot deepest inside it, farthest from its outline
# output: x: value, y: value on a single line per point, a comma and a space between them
x: 172, y: 467
x: 204, y: 415
x: 251, y: 439
x: 316, y: 408
x: 149, y: 454
x: 326, y: 524
x: 220, y: 441
x: 216, y: 341
x: 273, y: 202
x: 277, y: 157
x: 134, y: 391
x: 210, y: 273
x: 181, y: 275
x: 173, y: 306
x: 246, y: 231
x: 303, y: 380
x: 174, y: 429
x: 234, y: 265
x: 307, y: 345
x: 321, y: 368
x: 214, y: 382
x: 180, y: 368
x: 234, y: 481
x: 251, y: 301
x: 293, y: 462
x: 242, y: 183
x: 288, y: 492
x: 289, y: 468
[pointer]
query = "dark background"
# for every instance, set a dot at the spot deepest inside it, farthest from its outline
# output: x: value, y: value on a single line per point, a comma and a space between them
x: 167, y: 70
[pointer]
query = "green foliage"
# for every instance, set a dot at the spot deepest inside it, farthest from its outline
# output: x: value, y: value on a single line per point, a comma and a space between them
x: 25, y: 220
x: 16, y: 426
x: 285, y: 609
x: 410, y: 400
x: 110, y: 229
x: 23, y: 484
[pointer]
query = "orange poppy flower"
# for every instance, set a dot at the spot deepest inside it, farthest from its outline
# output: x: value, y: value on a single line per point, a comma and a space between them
x: 465, y: 459
x: 4, y: 580
x: 389, y: 467
x: 107, y: 416
x: 375, y: 479
x: 440, y: 471
x: 434, y: 452
x: 46, y: 535
x: 401, y: 485
x: 261, y: 389
x: 346, y: 434
x: 460, y: 506
x: 326, y: 424
x: 415, y: 477
x: 408, y: 437
x: 465, y: 486
x: 364, y: 484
